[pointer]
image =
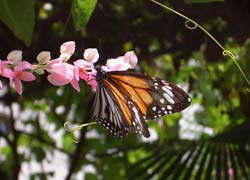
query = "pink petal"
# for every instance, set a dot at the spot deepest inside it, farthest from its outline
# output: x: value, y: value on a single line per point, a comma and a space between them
x: 50, y: 64
x: 68, y: 47
x: 131, y: 58
x: 83, y: 69
x: 76, y: 73
x: 83, y: 64
x: 91, y: 55
x: 63, y: 69
x: 58, y: 80
x: 1, y: 85
x: 25, y: 76
x: 75, y: 85
x: 83, y: 76
x: 117, y: 65
x: 18, y: 86
x: 4, y: 63
x: 93, y: 84
x: 23, y: 65
x: 6, y: 72
x: 86, y: 76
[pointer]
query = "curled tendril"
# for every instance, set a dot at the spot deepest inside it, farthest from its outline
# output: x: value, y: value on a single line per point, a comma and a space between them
x: 72, y: 130
x: 190, y: 24
x: 196, y: 25
x: 228, y: 53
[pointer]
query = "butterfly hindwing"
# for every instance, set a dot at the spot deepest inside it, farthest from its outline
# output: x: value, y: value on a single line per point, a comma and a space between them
x: 116, y: 112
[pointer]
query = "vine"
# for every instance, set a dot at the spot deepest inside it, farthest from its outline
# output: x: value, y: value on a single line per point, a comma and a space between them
x: 195, y: 25
x: 72, y: 130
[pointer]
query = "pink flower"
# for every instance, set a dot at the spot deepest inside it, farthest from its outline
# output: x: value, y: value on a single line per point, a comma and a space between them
x: 21, y: 75
x: 117, y: 64
x: 122, y: 63
x: 85, y: 70
x: 60, y: 73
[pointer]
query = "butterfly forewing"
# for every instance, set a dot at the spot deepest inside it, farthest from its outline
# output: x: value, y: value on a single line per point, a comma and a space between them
x: 158, y: 96
x: 126, y: 99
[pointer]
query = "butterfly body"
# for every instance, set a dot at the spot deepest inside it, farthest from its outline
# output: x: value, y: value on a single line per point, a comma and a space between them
x: 125, y: 99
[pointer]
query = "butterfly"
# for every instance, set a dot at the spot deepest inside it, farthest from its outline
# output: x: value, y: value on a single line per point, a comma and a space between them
x: 125, y: 99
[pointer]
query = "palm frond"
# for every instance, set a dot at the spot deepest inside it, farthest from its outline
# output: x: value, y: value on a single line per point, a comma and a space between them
x: 226, y: 156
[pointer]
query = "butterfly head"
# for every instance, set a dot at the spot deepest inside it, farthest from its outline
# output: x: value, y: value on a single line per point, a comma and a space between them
x: 100, y: 75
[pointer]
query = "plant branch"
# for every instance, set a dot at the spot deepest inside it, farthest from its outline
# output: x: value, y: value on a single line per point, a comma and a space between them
x: 78, y: 154
x: 14, y: 146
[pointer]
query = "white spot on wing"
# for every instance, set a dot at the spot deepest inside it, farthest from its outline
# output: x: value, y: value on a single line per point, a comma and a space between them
x: 162, y: 100
x: 167, y: 90
x: 169, y: 99
x: 137, y: 117
x: 169, y: 107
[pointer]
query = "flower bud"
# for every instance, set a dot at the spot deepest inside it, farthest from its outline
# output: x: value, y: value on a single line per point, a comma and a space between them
x: 68, y: 47
x: 91, y: 55
x: 131, y: 58
x: 15, y: 57
x: 43, y: 57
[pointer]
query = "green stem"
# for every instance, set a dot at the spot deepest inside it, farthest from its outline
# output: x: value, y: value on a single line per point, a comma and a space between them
x: 72, y: 130
x: 195, y: 25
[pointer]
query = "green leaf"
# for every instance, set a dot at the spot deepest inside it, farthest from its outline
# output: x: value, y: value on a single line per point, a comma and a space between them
x: 82, y: 11
x: 202, y: 1
x: 91, y: 176
x: 19, y: 16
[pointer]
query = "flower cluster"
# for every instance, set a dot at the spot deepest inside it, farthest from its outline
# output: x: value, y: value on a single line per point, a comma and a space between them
x: 59, y: 71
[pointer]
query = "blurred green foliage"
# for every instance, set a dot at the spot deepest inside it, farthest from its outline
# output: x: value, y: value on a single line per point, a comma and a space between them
x: 19, y: 16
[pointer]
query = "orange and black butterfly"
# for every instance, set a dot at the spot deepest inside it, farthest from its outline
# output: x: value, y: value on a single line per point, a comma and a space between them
x: 125, y: 99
